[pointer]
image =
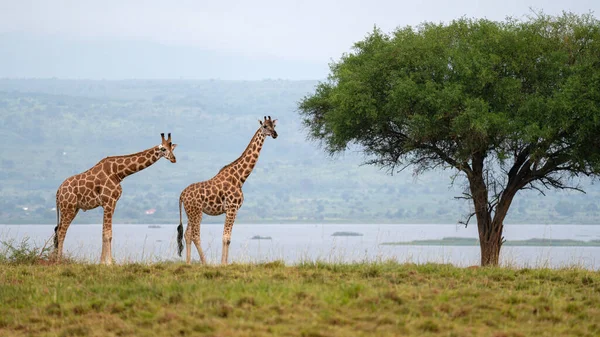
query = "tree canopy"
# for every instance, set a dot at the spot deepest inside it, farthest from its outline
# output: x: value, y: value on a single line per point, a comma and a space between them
x: 511, y: 105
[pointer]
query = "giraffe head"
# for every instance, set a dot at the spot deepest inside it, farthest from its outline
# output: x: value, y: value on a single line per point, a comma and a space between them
x: 166, y: 148
x: 268, y: 127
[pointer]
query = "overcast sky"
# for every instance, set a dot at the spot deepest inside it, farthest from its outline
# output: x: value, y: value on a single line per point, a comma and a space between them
x: 308, y: 30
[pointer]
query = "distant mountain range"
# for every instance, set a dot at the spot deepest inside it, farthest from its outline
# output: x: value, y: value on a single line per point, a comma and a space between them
x: 52, y: 129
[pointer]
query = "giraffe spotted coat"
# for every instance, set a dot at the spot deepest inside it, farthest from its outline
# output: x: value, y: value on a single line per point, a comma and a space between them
x: 220, y: 194
x: 101, y: 186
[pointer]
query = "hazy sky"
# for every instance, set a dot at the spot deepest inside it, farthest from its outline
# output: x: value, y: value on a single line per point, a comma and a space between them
x: 308, y: 30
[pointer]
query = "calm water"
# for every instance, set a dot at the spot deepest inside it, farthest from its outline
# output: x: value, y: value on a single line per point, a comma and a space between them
x: 295, y: 243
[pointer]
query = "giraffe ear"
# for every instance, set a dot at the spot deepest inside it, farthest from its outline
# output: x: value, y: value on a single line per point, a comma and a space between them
x: 274, y: 122
x: 260, y: 122
x: 173, y: 147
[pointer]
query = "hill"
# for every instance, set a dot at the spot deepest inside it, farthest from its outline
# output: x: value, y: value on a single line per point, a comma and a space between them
x: 54, y: 128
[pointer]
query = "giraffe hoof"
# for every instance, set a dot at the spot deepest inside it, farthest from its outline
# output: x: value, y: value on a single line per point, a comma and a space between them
x: 107, y: 262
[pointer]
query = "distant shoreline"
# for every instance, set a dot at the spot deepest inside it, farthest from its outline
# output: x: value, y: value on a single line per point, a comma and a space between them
x: 535, y: 242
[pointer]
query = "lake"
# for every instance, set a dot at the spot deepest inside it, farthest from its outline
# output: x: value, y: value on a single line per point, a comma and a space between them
x: 294, y: 243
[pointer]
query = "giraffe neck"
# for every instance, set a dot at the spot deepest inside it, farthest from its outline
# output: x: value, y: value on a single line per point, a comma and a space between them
x: 241, y: 168
x: 123, y: 166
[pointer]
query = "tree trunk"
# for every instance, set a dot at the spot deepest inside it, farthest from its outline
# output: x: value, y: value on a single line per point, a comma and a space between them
x: 490, y: 242
x: 490, y: 230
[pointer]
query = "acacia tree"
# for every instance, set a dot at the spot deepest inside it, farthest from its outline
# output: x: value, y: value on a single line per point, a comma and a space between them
x: 510, y: 105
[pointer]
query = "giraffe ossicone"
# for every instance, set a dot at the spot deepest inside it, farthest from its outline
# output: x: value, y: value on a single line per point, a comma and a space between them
x: 220, y: 194
x: 100, y: 186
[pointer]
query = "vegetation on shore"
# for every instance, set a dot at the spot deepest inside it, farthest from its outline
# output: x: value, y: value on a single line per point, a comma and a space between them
x: 535, y: 242
x: 309, y: 299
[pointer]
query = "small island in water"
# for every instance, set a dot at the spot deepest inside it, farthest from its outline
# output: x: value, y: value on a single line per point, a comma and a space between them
x: 535, y: 242
x: 346, y: 234
x: 258, y: 237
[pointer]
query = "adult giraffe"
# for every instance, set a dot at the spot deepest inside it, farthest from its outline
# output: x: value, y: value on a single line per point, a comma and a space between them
x: 221, y: 194
x: 101, y: 186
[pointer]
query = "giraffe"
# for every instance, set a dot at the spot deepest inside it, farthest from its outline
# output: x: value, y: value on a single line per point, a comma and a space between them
x: 101, y: 186
x: 221, y: 194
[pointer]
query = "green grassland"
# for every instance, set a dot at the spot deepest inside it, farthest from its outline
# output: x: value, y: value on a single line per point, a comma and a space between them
x: 310, y: 299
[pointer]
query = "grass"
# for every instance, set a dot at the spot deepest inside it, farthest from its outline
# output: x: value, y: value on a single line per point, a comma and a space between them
x: 310, y: 299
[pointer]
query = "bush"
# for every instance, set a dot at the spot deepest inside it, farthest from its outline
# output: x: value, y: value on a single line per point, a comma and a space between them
x: 22, y: 253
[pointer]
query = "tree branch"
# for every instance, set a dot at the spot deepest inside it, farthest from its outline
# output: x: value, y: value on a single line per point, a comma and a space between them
x: 466, y: 222
x: 463, y: 166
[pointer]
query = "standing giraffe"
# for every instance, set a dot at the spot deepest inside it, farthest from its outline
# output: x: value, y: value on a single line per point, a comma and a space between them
x: 221, y: 194
x: 101, y: 186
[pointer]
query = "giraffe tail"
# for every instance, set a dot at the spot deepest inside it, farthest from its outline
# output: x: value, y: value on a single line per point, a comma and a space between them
x: 57, y: 224
x: 180, y: 232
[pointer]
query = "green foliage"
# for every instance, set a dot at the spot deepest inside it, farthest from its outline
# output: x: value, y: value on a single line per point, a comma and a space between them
x: 436, y: 94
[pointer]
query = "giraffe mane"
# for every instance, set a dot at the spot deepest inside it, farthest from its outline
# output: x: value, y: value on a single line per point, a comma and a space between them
x: 129, y: 155
x: 240, y: 157
x: 117, y: 157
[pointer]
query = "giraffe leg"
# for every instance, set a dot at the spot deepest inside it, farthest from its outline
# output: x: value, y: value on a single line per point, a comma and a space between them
x: 196, y: 238
x: 229, y: 219
x: 106, y: 257
x: 66, y: 217
x: 188, y: 241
